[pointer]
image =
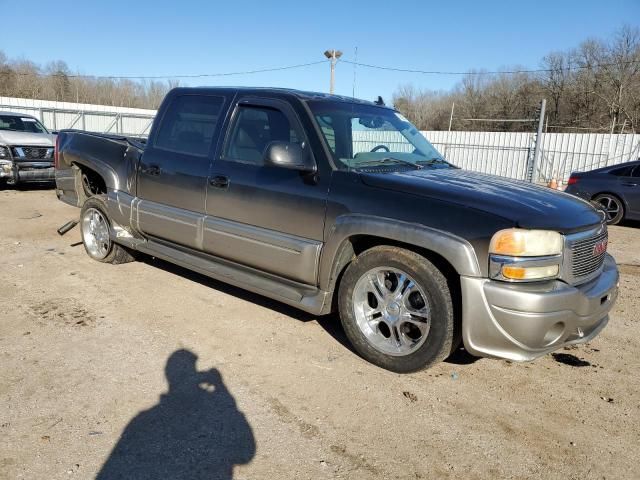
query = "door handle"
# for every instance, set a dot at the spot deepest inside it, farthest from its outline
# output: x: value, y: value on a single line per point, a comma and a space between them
x: 152, y: 170
x: 219, y: 181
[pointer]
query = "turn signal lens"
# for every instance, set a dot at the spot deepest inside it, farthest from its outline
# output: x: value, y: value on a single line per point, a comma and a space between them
x: 517, y: 242
x: 529, y: 273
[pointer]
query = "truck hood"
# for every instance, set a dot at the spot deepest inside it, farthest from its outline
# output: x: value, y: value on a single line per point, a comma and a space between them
x: 525, y: 204
x: 10, y: 138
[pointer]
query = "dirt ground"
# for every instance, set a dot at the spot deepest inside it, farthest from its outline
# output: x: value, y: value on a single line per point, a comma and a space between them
x: 99, y: 376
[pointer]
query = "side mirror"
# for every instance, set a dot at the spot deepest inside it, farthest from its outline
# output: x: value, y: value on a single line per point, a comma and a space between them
x: 288, y: 155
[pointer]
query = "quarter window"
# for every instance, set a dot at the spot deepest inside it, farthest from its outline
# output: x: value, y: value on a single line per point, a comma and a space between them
x: 189, y: 124
x: 622, y: 172
x: 254, y: 128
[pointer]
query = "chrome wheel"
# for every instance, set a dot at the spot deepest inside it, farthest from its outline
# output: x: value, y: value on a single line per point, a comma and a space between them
x: 95, y: 233
x: 391, y: 310
x: 611, y: 207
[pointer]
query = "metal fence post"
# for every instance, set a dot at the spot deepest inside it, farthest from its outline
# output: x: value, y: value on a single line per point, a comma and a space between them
x: 533, y: 164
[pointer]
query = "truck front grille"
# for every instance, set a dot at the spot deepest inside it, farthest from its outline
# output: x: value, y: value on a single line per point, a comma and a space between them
x: 587, y: 254
x: 32, y: 153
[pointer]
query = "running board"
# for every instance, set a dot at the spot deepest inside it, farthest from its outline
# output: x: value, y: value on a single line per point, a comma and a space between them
x: 304, y: 297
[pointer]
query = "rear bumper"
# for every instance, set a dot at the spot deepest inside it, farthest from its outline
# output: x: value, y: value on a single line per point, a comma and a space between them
x: 523, y: 322
x: 578, y: 192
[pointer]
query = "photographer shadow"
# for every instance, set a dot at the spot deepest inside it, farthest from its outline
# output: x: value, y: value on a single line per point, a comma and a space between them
x: 195, y: 431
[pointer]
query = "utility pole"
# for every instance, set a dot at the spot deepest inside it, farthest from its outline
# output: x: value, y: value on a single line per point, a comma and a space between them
x: 333, y: 56
x: 453, y: 106
x: 533, y: 166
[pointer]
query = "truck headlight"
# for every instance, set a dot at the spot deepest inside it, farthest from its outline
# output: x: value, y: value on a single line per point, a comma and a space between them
x: 520, y: 255
x: 4, y: 152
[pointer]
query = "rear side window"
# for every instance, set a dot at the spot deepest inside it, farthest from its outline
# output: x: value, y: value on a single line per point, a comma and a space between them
x: 189, y: 124
x: 622, y: 171
x: 253, y: 129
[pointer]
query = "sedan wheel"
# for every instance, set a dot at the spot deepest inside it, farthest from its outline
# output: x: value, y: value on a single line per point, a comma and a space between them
x: 612, y: 207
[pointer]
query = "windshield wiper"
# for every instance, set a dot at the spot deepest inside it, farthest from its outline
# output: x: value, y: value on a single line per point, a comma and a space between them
x: 388, y: 160
x: 432, y: 161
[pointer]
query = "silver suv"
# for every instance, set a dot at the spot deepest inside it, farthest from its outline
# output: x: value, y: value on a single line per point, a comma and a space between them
x: 26, y: 149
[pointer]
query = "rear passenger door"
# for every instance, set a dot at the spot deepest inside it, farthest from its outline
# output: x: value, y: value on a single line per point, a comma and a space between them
x: 630, y: 187
x: 172, y: 174
x: 266, y: 217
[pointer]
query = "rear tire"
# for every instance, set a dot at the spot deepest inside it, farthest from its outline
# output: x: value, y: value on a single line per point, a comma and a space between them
x: 612, y: 206
x: 95, y: 227
x: 396, y: 309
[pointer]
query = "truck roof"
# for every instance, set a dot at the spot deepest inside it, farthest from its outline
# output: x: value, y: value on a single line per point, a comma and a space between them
x: 279, y: 92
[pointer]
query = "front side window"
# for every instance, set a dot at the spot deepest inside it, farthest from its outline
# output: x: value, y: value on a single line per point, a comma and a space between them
x: 21, y: 124
x: 361, y: 135
x: 189, y: 124
x: 254, y: 128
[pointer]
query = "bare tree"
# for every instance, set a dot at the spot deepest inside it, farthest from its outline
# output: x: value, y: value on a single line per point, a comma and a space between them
x: 595, y: 86
x: 55, y: 81
x: 556, y: 79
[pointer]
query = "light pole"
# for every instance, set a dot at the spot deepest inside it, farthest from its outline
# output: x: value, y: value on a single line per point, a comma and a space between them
x: 333, y: 55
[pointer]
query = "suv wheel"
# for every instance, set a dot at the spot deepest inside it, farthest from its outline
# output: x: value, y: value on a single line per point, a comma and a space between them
x: 396, y: 309
x: 612, y: 206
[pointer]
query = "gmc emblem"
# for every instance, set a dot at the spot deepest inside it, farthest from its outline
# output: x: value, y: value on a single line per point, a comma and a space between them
x: 600, y: 247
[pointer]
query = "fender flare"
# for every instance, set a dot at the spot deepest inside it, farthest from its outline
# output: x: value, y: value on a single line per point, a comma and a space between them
x: 108, y: 174
x: 337, y: 250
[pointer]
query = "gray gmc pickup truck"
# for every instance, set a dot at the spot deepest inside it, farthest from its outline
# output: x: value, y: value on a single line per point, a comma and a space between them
x: 332, y: 204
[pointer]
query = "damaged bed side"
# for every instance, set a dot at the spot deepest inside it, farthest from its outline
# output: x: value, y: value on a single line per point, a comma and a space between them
x: 88, y: 164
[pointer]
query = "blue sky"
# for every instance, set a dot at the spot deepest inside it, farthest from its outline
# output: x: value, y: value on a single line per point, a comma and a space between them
x: 190, y: 37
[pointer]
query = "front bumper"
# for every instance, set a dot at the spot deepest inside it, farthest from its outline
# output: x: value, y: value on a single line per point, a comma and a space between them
x: 28, y: 172
x: 524, y: 321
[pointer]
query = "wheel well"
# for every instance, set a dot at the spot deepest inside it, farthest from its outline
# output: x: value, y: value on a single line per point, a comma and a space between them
x: 360, y: 243
x: 608, y: 193
x: 91, y: 181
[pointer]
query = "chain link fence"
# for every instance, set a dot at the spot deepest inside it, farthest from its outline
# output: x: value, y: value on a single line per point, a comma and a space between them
x: 506, y: 153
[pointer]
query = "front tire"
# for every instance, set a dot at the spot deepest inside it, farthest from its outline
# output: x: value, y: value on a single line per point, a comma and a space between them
x: 396, y: 309
x: 612, y: 206
x: 95, y: 228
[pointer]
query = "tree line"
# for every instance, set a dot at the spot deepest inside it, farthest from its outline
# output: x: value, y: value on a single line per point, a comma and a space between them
x: 55, y: 81
x: 594, y: 87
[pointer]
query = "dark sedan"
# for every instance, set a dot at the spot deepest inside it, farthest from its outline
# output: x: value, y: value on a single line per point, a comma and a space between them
x: 616, y: 189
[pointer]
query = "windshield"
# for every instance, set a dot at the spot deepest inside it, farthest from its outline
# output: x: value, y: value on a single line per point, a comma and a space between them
x: 21, y: 124
x: 368, y: 136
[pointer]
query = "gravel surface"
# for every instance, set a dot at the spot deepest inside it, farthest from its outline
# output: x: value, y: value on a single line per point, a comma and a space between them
x: 146, y: 370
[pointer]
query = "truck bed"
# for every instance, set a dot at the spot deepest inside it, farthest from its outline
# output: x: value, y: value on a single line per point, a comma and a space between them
x: 113, y: 157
